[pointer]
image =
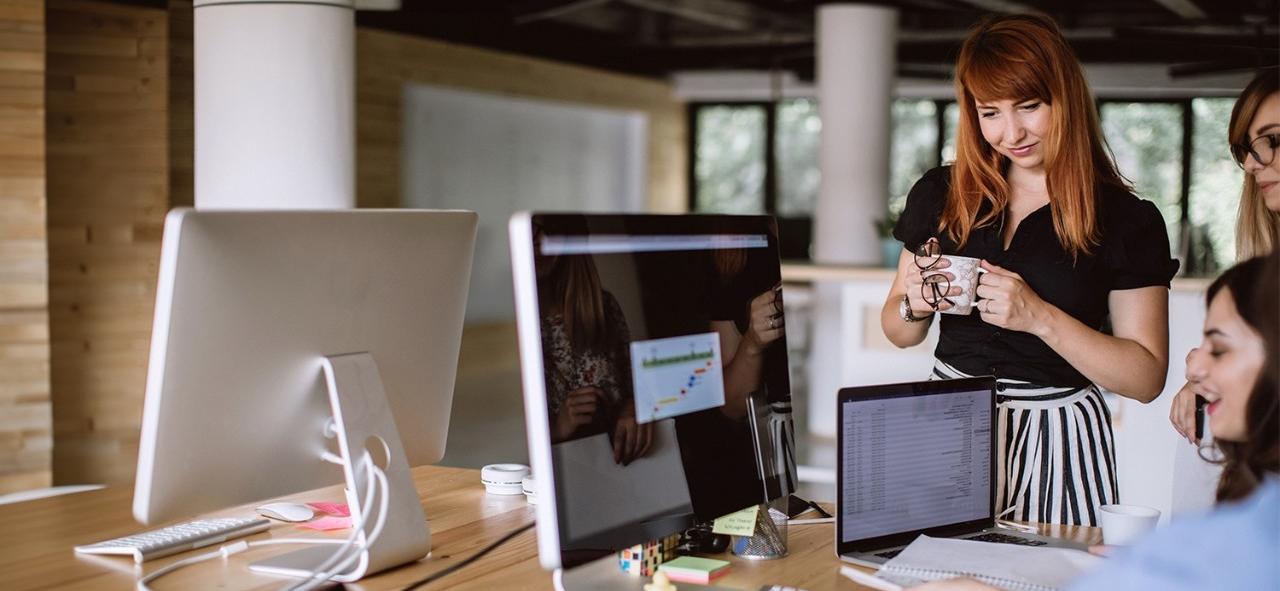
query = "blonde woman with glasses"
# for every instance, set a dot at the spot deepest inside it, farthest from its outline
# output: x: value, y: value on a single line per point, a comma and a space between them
x: 1254, y: 134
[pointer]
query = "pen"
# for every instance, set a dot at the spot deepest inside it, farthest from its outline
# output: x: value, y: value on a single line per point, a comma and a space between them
x: 872, y: 581
x: 811, y: 521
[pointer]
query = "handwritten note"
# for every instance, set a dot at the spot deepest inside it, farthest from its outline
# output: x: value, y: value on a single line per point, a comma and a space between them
x: 742, y: 523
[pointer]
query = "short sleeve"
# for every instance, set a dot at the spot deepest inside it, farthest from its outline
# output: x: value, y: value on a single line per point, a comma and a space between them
x: 1138, y: 252
x: 919, y: 219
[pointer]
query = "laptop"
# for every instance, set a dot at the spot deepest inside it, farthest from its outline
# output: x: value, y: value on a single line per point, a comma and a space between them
x: 919, y: 458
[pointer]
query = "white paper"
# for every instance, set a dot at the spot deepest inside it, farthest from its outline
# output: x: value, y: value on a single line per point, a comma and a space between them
x: 600, y: 495
x: 676, y: 376
x: 1008, y: 566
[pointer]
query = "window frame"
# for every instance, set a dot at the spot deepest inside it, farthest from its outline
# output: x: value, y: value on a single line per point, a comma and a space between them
x: 770, y: 188
x: 1188, y: 129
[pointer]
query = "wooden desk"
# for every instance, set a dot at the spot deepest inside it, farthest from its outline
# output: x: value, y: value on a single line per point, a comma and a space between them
x: 35, y: 550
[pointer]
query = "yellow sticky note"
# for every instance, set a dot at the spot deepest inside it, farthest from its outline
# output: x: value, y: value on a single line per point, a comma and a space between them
x: 742, y: 523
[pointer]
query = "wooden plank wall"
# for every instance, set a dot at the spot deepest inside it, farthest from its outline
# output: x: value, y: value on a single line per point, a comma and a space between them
x: 385, y: 62
x: 108, y: 193
x: 182, y: 104
x: 26, y: 435
x: 119, y: 126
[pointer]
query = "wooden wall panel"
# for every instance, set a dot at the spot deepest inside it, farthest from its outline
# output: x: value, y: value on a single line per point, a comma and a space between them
x: 118, y: 102
x: 26, y: 435
x: 385, y: 62
x: 108, y: 192
x: 182, y: 104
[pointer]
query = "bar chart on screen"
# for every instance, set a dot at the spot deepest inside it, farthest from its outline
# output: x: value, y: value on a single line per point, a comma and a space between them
x: 676, y: 376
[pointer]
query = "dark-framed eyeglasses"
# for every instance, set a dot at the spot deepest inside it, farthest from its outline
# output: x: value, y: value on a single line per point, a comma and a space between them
x: 1262, y: 148
x: 934, y: 288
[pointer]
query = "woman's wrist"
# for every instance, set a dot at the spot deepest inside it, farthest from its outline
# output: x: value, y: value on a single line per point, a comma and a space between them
x: 748, y: 346
x: 1047, y: 321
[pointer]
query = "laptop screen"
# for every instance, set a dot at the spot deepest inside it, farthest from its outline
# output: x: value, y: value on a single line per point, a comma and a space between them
x: 915, y: 458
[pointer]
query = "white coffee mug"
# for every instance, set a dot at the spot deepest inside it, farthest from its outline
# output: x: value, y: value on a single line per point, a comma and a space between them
x: 966, y: 271
x: 1126, y: 524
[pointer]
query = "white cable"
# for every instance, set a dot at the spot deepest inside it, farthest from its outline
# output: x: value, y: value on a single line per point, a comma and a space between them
x: 320, y: 578
x: 358, y: 522
x: 320, y: 575
x: 223, y: 552
x: 240, y: 546
x: 557, y: 579
x: 351, y: 542
x: 372, y: 537
x: 315, y: 541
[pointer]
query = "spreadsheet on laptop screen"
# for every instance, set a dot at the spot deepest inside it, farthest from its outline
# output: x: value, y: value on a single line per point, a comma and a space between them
x: 915, y: 462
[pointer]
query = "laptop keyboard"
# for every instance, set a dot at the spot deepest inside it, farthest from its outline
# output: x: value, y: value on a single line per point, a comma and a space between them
x: 891, y: 553
x: 1006, y: 539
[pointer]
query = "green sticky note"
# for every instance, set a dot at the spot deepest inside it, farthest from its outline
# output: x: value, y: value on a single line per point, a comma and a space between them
x: 693, y: 565
x: 742, y: 523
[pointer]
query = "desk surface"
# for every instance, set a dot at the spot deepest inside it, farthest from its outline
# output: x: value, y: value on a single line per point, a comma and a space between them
x: 35, y: 550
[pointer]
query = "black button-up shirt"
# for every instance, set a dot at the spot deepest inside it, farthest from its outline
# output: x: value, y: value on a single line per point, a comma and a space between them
x: 1134, y: 253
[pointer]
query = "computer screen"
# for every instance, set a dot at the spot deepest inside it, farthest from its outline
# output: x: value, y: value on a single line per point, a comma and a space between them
x: 654, y: 360
x: 914, y: 461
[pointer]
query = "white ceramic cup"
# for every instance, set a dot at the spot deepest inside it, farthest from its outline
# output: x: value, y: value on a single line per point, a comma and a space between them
x: 966, y: 271
x: 1126, y: 524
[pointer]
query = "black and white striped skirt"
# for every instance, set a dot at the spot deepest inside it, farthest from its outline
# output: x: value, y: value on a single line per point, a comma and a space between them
x: 1055, y: 451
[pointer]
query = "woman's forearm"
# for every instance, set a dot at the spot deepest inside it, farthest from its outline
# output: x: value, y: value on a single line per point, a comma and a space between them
x: 901, y: 333
x: 742, y: 376
x: 1120, y: 365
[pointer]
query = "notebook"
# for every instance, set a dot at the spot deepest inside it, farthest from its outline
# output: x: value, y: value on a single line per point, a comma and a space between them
x: 1007, y: 566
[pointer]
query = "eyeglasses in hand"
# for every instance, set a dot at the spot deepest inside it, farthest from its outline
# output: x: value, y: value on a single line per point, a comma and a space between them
x: 935, y: 286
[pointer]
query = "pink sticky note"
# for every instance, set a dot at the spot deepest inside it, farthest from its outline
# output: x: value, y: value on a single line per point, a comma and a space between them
x: 339, y: 509
x: 328, y: 523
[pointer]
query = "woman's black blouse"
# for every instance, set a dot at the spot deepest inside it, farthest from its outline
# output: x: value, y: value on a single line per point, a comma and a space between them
x: 1134, y: 252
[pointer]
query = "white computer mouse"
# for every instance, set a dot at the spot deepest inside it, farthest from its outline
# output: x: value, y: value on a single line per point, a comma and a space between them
x: 286, y: 511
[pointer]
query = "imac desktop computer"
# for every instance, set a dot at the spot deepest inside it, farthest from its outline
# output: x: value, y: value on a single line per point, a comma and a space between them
x: 297, y: 349
x: 654, y: 365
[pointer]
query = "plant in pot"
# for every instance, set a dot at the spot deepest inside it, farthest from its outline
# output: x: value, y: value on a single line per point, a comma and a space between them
x: 890, y: 248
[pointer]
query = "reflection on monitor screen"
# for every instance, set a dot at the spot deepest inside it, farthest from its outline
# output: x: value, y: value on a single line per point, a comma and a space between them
x: 662, y: 352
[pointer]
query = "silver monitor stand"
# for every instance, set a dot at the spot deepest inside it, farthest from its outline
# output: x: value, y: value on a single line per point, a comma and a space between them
x: 363, y: 423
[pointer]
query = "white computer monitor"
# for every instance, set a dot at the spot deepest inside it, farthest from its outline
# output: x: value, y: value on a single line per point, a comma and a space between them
x: 659, y: 306
x: 249, y: 305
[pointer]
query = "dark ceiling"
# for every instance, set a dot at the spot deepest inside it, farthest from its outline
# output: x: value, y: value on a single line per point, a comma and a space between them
x: 658, y: 37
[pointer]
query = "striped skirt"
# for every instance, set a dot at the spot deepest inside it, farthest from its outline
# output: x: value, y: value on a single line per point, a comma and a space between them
x: 1055, y: 451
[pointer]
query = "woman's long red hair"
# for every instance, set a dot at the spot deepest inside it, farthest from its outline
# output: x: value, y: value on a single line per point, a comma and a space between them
x: 1023, y: 57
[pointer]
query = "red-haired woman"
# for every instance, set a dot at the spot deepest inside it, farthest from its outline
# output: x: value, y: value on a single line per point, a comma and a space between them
x: 1034, y: 194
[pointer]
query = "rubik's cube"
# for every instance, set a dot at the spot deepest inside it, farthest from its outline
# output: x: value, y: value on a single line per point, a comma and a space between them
x: 642, y: 560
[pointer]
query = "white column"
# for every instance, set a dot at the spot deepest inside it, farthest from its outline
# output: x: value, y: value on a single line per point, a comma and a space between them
x: 274, y: 104
x: 856, y: 67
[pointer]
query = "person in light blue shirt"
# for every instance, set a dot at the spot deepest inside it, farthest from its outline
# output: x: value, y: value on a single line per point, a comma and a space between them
x: 1237, y: 369
x: 1237, y: 546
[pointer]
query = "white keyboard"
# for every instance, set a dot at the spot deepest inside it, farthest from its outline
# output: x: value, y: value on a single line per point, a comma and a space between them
x: 178, y: 538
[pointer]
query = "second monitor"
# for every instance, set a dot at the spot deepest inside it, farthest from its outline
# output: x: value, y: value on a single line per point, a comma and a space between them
x: 654, y: 362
